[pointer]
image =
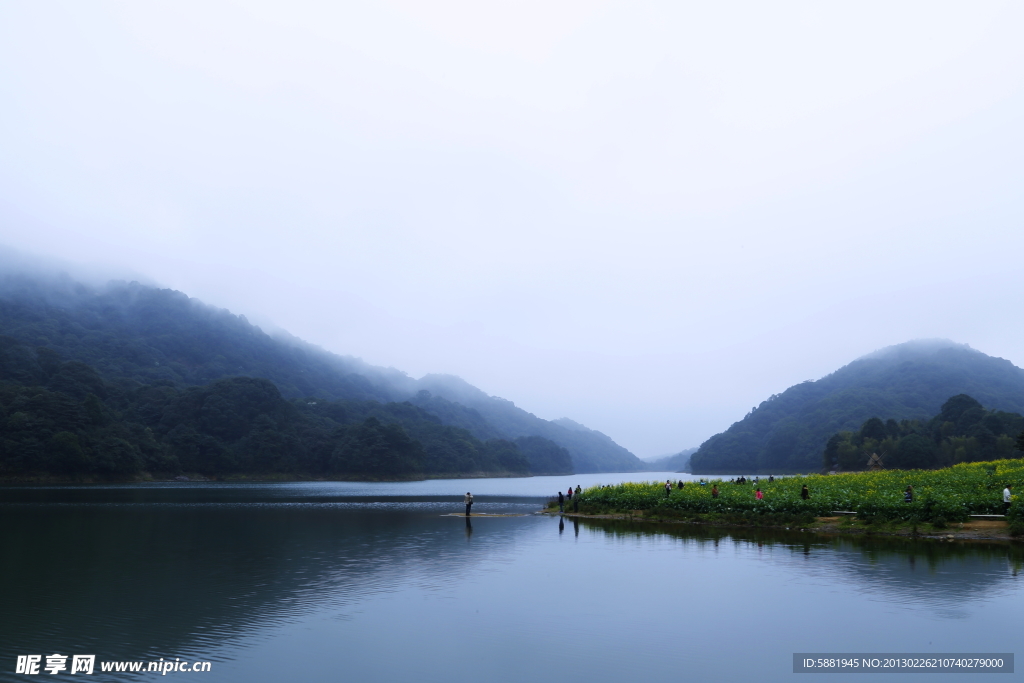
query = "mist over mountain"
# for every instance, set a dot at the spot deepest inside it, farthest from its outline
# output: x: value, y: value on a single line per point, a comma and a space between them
x: 127, y: 339
x: 677, y: 462
x: 591, y: 450
x: 130, y: 331
x: 788, y: 432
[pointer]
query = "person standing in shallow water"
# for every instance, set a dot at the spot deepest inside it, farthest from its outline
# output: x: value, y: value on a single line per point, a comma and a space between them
x: 468, y: 500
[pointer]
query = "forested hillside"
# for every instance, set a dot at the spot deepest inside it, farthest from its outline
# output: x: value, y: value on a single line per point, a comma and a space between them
x: 130, y: 342
x: 789, y: 431
x: 591, y: 450
x: 61, y: 419
x: 128, y: 331
x: 963, y: 431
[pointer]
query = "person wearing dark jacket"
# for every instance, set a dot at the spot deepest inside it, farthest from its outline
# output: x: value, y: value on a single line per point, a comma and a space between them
x: 804, y: 493
x: 561, y: 502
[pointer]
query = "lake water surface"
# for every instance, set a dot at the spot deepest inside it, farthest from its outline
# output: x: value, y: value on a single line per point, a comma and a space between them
x: 345, y: 581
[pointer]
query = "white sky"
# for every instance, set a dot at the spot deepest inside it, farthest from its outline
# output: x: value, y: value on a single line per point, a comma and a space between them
x: 645, y: 216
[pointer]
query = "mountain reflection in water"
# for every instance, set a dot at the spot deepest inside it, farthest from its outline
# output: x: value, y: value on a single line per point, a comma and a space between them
x: 271, y: 584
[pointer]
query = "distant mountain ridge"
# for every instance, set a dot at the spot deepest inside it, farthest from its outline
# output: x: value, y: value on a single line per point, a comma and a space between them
x: 678, y: 462
x: 133, y: 335
x: 591, y: 450
x: 788, y: 432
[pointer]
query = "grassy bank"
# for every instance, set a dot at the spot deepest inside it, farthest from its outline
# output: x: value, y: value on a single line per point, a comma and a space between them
x: 941, y: 497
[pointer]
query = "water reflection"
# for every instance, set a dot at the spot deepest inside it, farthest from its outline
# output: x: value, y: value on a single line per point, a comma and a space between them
x: 912, y: 571
x: 231, y: 576
x: 160, y: 578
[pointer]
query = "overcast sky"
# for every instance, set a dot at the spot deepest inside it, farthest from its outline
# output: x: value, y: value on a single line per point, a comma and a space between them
x: 645, y: 216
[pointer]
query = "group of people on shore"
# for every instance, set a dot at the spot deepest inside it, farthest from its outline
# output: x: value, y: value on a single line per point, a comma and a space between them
x: 758, y: 493
x: 757, y: 480
x: 571, y: 495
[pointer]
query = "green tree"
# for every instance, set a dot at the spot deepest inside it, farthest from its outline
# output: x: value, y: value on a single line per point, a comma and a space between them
x: 509, y: 457
x: 374, y: 448
x: 117, y: 456
x: 94, y: 410
x: 830, y: 457
x: 873, y: 428
x: 66, y: 454
x: 956, y: 406
x: 913, y: 452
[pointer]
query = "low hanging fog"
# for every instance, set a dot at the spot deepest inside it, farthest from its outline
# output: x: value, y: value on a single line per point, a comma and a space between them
x: 644, y: 217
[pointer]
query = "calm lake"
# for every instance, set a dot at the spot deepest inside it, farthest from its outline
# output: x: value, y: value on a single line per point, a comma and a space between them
x: 344, y: 581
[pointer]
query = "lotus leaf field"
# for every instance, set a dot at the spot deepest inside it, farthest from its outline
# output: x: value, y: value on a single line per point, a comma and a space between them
x: 951, y: 494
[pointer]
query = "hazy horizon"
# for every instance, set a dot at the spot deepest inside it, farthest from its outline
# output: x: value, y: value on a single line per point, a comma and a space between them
x: 644, y: 217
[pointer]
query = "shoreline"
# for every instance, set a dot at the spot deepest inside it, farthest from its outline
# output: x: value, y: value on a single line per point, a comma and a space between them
x: 980, y: 530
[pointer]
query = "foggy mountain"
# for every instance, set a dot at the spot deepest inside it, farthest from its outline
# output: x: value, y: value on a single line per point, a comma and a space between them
x: 788, y: 432
x: 135, y: 335
x: 591, y: 450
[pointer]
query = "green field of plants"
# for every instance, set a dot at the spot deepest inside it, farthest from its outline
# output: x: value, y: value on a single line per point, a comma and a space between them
x: 946, y: 495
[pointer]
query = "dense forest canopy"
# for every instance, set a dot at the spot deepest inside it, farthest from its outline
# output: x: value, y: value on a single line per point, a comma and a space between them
x: 963, y: 431
x: 60, y: 418
x: 132, y: 335
x: 789, y: 431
